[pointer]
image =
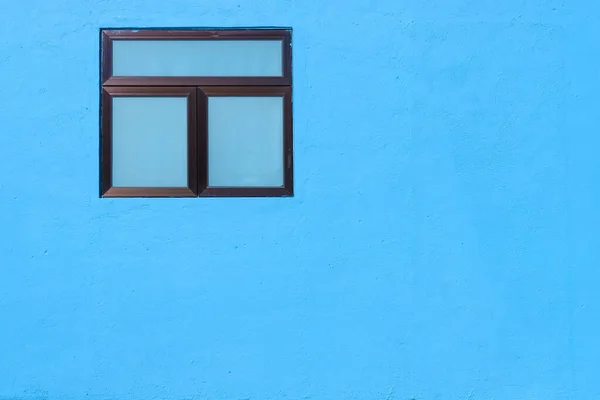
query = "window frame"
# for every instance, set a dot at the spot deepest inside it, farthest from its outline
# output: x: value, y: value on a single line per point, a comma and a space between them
x: 110, y: 92
x: 110, y: 35
x: 204, y: 92
x: 197, y: 89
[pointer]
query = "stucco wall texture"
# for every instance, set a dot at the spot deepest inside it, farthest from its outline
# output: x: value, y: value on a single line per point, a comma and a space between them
x: 442, y: 244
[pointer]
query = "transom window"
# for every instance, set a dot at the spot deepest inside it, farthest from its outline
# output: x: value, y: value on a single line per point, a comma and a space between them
x: 188, y: 113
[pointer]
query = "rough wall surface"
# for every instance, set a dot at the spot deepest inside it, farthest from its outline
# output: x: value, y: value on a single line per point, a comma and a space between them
x: 443, y: 241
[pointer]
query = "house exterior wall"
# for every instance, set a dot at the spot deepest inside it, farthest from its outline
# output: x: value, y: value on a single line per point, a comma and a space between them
x: 442, y: 242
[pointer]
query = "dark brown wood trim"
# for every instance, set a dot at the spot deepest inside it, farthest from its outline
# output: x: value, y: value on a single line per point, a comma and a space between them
x: 197, y: 81
x: 192, y: 127
x: 149, y: 192
x: 246, y: 90
x: 108, y: 36
x: 106, y: 54
x: 286, y: 56
x: 106, y: 143
x: 150, y: 91
x: 107, y: 190
x: 246, y: 192
x: 198, y: 34
x: 202, y: 133
x: 288, y: 142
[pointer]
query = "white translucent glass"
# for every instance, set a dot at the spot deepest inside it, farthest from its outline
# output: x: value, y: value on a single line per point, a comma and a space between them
x: 149, y: 142
x: 197, y: 58
x: 245, y: 141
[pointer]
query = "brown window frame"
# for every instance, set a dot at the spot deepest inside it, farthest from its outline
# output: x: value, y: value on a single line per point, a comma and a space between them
x: 197, y: 89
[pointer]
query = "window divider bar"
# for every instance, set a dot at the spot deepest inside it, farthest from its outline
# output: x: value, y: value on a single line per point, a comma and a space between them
x: 193, y: 170
x: 202, y: 135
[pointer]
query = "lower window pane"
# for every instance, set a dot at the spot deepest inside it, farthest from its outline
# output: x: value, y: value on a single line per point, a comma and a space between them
x: 149, y: 146
x: 245, y: 141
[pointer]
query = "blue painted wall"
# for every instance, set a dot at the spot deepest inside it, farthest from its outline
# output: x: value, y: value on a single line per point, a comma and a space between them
x: 443, y: 242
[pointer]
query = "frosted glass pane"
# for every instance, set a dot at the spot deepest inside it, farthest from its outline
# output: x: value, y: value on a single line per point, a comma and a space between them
x: 245, y: 141
x: 149, y: 142
x: 197, y: 58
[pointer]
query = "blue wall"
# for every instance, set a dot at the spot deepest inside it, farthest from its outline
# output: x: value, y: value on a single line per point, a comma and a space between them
x: 443, y: 242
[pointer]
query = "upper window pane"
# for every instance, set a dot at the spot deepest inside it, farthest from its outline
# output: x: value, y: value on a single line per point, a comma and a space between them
x: 211, y: 58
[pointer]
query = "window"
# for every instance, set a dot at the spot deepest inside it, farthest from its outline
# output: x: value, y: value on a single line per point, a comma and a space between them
x: 188, y: 113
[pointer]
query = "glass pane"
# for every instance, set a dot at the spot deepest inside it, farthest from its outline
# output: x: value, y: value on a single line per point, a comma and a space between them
x: 149, y: 142
x: 245, y: 141
x: 197, y: 58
